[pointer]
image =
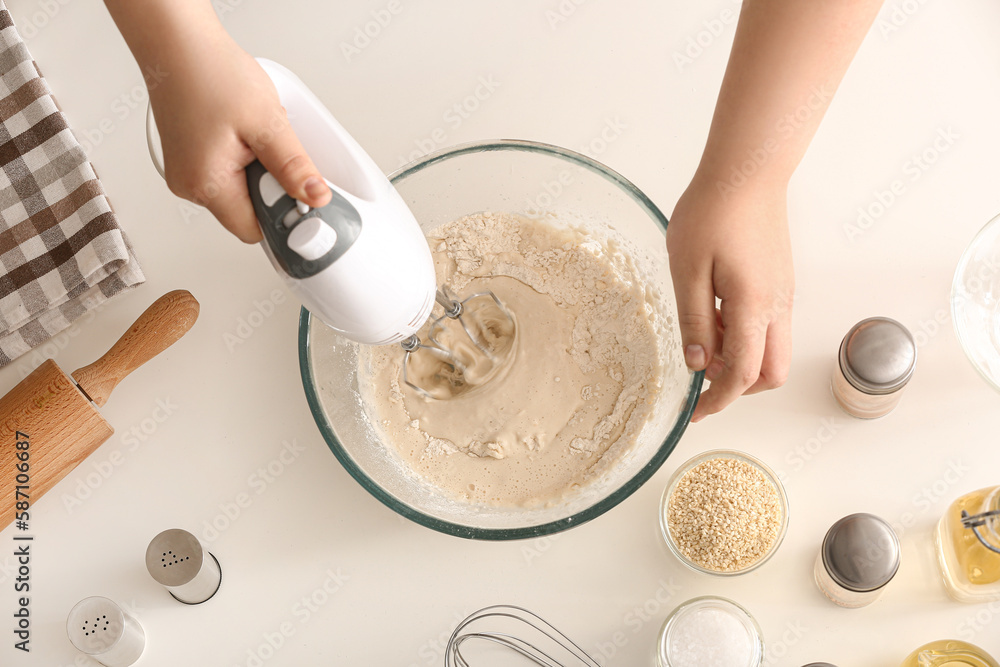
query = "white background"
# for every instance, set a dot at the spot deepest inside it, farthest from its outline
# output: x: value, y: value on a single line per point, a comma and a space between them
x: 560, y: 82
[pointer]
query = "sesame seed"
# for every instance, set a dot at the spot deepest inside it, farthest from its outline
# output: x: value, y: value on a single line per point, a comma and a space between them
x: 724, y: 514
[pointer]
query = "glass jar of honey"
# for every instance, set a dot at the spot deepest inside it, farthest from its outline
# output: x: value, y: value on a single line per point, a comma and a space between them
x: 949, y: 653
x: 968, y: 546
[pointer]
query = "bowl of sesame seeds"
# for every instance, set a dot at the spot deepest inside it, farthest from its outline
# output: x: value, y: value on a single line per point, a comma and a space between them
x: 723, y: 512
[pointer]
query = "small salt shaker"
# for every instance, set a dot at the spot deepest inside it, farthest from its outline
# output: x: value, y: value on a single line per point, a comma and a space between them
x: 101, y: 629
x: 859, y: 556
x: 177, y: 560
x: 877, y: 358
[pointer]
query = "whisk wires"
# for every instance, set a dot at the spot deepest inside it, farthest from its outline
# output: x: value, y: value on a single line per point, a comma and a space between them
x: 462, y: 634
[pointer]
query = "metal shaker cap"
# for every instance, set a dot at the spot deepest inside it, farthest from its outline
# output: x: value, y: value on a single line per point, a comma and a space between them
x: 101, y: 629
x: 819, y: 664
x: 177, y: 560
x: 878, y: 355
x: 861, y: 552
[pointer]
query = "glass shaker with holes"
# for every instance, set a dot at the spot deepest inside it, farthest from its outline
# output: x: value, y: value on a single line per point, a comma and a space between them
x: 968, y: 546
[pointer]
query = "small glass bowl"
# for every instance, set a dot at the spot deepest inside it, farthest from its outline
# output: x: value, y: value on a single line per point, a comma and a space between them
x: 663, y: 652
x: 975, y: 302
x: 695, y: 461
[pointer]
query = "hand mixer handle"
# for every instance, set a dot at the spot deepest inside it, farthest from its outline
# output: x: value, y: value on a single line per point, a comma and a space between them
x: 361, y: 264
x: 301, y: 244
x: 159, y: 327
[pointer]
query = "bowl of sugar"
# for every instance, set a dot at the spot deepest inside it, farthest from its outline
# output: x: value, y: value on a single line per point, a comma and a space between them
x: 707, y: 631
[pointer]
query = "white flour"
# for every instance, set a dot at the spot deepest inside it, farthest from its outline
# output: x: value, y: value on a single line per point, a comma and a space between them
x: 584, y: 377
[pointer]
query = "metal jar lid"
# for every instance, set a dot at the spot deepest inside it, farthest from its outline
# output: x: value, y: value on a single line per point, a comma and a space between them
x: 878, y: 355
x: 861, y: 552
x: 178, y: 561
x: 819, y: 664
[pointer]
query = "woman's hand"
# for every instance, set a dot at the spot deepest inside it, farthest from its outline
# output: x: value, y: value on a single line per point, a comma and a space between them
x: 730, y: 241
x: 733, y: 246
x: 216, y: 111
x: 215, y: 115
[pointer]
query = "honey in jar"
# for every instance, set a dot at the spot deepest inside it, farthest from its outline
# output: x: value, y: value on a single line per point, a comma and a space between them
x: 968, y: 546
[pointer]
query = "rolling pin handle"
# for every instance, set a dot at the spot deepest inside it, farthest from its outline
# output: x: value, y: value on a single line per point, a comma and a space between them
x: 159, y: 327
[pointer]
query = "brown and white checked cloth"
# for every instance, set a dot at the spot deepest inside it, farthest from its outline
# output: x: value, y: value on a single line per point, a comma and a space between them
x: 61, y: 250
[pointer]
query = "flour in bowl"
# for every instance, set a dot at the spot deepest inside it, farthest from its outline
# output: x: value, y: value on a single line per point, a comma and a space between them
x: 581, y: 383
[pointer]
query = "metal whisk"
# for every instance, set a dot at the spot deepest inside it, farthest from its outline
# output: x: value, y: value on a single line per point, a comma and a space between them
x: 453, y: 369
x: 555, y: 641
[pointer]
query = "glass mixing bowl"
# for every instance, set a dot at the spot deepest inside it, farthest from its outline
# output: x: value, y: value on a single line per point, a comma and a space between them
x: 535, y: 180
x: 975, y: 302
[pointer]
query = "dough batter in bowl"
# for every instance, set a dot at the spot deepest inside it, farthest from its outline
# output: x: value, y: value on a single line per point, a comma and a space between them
x: 578, y: 386
x: 565, y: 190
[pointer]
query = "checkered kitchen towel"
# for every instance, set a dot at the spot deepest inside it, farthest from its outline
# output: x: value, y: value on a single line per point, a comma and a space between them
x: 61, y: 250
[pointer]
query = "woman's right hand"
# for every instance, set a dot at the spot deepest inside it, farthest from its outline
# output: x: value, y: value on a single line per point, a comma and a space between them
x: 217, y: 111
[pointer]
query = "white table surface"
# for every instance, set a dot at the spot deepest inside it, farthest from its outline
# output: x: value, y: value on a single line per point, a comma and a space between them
x: 401, y: 588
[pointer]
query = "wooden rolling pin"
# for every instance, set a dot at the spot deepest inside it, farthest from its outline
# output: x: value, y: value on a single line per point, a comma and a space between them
x: 49, y: 422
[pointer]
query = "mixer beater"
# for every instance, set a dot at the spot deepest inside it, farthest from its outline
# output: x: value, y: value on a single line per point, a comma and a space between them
x: 446, y: 364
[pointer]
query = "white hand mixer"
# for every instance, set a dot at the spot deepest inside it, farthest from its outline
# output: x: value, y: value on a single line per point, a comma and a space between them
x: 361, y: 263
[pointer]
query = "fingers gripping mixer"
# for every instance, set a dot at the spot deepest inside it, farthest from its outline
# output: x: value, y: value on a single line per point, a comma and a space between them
x: 361, y: 263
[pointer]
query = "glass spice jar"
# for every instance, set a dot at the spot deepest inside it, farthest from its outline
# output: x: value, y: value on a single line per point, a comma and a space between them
x: 968, y: 546
x: 859, y: 556
x: 876, y: 361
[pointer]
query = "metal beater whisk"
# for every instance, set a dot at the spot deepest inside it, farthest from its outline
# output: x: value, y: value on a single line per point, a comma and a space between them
x: 453, y: 369
x: 556, y: 642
